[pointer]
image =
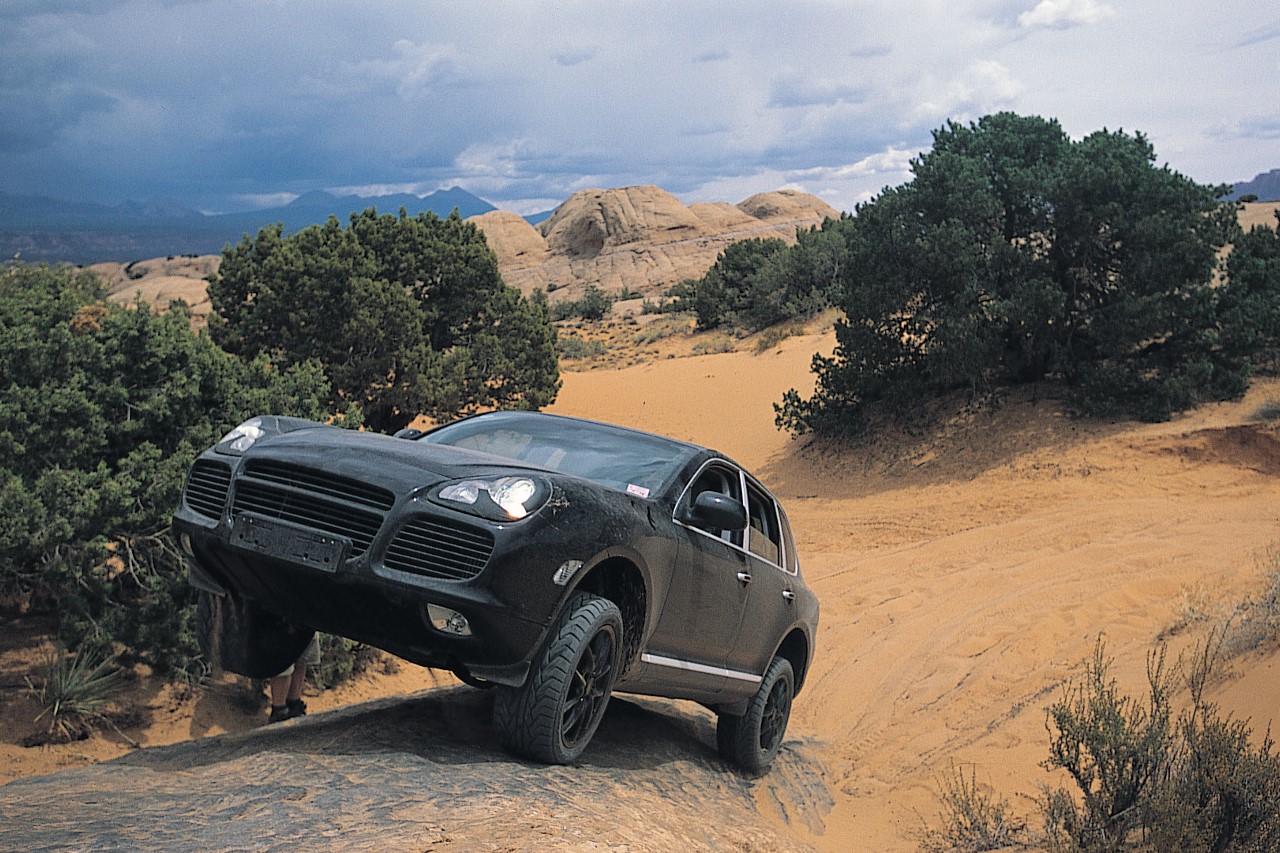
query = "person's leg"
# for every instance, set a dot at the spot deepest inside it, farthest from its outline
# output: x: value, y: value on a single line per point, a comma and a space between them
x: 310, y: 657
x: 294, y: 704
x: 296, y: 682
x: 280, y: 686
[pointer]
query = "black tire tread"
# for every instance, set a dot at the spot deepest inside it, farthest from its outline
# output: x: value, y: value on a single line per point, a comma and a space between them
x: 527, y: 718
x: 738, y: 737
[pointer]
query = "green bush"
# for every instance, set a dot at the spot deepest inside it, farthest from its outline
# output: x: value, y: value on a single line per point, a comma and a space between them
x: 1251, y: 297
x: 1016, y: 255
x: 405, y: 315
x: 1145, y: 782
x: 102, y: 410
x: 1114, y: 748
x: 594, y: 305
x: 581, y: 348
x: 341, y: 659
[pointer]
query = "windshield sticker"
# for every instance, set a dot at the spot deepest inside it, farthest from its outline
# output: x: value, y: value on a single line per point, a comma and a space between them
x: 638, y: 491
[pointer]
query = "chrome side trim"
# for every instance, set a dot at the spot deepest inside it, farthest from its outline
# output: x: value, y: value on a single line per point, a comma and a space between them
x: 659, y: 660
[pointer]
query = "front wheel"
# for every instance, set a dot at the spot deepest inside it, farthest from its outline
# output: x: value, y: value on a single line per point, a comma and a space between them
x: 553, y: 716
x: 752, y: 740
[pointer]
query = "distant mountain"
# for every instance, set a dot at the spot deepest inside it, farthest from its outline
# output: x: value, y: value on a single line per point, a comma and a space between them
x: 44, y: 229
x: 1265, y: 186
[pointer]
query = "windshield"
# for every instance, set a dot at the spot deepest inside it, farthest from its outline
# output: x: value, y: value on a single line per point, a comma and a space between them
x: 634, y: 462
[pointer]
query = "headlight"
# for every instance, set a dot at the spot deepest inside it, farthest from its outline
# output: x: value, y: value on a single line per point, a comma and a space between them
x: 500, y: 499
x: 242, y: 437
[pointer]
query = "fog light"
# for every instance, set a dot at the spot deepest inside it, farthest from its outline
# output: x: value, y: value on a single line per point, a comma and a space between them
x: 185, y: 541
x: 448, y: 621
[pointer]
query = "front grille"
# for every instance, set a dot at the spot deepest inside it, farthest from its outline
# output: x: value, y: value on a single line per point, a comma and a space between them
x: 313, y: 499
x: 207, y: 488
x: 321, y: 483
x: 440, y: 549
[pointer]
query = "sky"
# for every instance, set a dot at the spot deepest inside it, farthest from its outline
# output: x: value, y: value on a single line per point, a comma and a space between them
x: 226, y: 105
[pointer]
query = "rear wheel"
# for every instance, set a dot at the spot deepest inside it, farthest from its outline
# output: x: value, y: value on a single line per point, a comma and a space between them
x: 554, y: 715
x: 238, y: 637
x: 752, y: 740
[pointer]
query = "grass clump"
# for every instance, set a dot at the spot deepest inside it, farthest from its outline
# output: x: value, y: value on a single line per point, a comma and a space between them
x: 1143, y: 778
x: 74, y: 692
x: 1268, y: 411
x: 1114, y: 748
x: 575, y: 347
x: 972, y: 820
x: 774, y: 335
x: 1256, y: 621
x: 1145, y: 781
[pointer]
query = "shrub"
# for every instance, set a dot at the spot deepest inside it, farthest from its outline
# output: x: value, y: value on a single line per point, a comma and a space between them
x: 593, y: 305
x: 73, y: 693
x: 405, y: 315
x: 1114, y: 749
x: 340, y: 660
x: 576, y: 347
x: 1016, y: 254
x: 102, y: 410
x: 1268, y: 411
x: 1218, y: 792
x: 972, y: 820
x: 1144, y: 783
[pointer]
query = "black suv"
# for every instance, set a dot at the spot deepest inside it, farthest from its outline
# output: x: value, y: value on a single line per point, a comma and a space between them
x: 554, y: 559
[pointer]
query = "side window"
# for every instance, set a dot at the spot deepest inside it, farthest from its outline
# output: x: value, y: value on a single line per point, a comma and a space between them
x: 725, y: 481
x: 764, y: 532
x: 789, y: 544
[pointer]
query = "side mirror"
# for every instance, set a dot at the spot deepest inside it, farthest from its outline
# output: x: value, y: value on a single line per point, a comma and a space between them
x: 712, y: 509
x: 409, y: 433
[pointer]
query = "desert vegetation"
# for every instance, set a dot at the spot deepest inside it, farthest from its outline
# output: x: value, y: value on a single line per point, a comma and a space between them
x: 1017, y: 255
x: 1140, y: 776
x: 405, y: 316
x: 104, y: 409
x: 758, y: 283
x: 105, y: 405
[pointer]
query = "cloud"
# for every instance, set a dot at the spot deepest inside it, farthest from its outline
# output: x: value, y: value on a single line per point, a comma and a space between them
x: 1260, y: 35
x: 984, y: 86
x: 571, y: 57
x: 1065, y: 14
x: 794, y: 89
x: 220, y: 102
x: 1249, y: 128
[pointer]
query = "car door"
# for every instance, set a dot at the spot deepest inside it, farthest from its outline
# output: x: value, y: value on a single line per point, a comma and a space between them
x: 704, y: 606
x: 772, y: 571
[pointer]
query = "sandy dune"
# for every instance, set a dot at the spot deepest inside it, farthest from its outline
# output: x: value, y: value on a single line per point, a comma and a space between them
x: 965, y: 575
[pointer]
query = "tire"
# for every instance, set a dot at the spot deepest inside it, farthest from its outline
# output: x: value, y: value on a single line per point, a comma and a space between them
x: 238, y: 637
x: 554, y: 715
x: 752, y: 740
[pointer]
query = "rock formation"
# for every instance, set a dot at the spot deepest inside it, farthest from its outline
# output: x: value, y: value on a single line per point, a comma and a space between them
x: 641, y: 239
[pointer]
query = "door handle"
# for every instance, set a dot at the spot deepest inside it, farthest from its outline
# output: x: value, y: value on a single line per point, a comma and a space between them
x: 788, y: 595
x: 744, y: 577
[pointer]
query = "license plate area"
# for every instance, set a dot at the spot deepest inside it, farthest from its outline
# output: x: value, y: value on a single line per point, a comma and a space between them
x: 296, y: 544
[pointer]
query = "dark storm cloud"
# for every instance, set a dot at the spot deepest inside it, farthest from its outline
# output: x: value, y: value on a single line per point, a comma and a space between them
x: 216, y: 101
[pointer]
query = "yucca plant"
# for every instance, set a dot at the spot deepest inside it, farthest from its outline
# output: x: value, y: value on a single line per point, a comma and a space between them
x: 75, y: 689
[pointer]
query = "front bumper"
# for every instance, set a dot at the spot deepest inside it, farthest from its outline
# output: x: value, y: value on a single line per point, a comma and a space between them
x: 364, y: 563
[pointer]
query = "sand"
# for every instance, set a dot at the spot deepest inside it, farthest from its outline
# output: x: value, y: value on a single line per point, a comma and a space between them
x: 964, y: 574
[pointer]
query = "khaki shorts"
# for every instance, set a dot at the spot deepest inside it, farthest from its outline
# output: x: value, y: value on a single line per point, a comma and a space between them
x: 310, y: 656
